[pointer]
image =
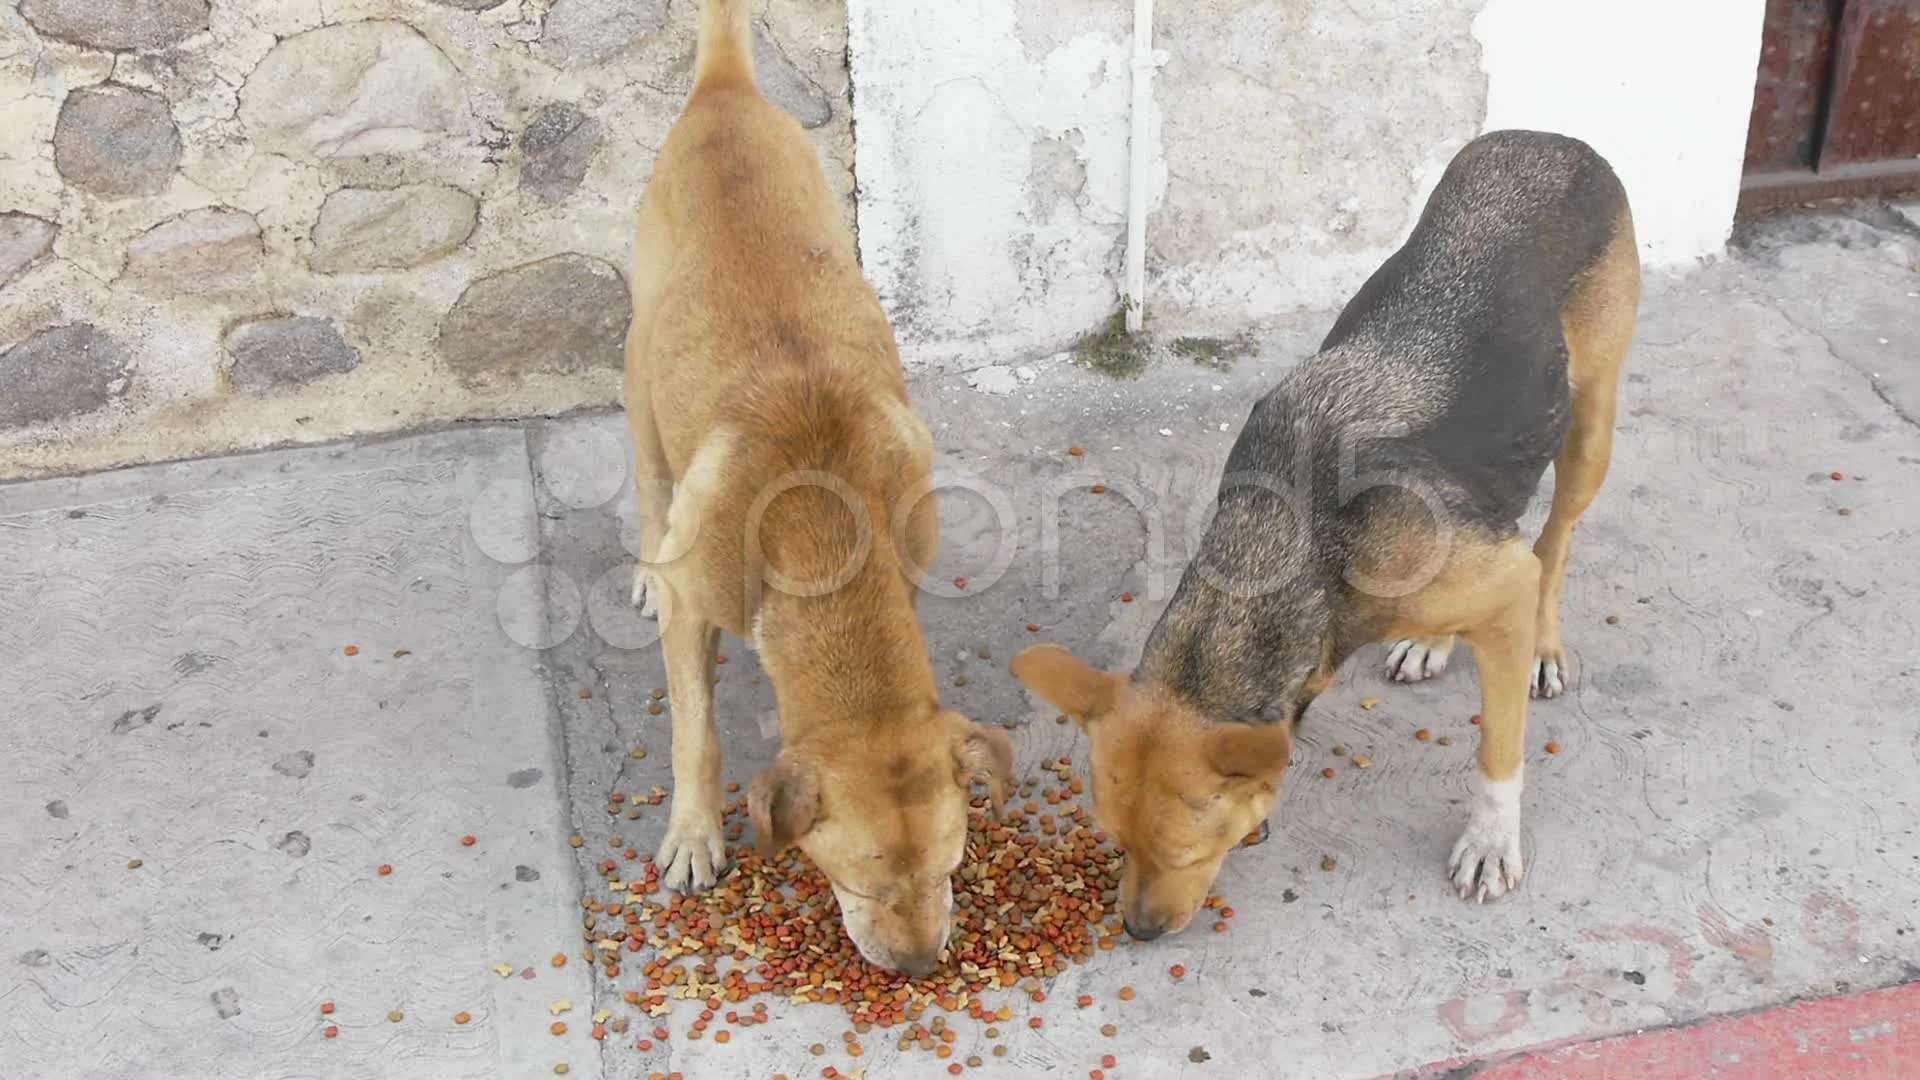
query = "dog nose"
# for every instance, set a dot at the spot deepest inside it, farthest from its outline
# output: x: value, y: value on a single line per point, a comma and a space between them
x: 1143, y: 929
x: 919, y: 965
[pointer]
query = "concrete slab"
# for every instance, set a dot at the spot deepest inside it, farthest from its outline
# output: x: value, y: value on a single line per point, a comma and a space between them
x: 1731, y: 821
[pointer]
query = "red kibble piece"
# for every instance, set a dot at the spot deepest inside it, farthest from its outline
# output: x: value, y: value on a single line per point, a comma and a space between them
x: 1423, y: 735
x: 1553, y: 748
x: 331, y: 1032
x: 1836, y: 476
x: 1220, y: 928
x: 644, y: 1044
x: 469, y: 841
x: 1126, y: 598
x: 959, y: 583
x: 1098, y: 489
x: 1226, y: 913
x: 1074, y: 451
x: 384, y: 869
x: 599, y: 1031
x: 326, y: 1008
x: 1109, y: 1061
x: 661, y: 1033
x: 1039, y: 996
x: 1474, y: 720
x: 722, y: 1036
x: 1085, y: 1000
x: 956, y: 1068
x: 354, y: 650
x: 1329, y: 772
x: 1127, y: 993
x: 1178, y: 971
x: 1036, y: 1023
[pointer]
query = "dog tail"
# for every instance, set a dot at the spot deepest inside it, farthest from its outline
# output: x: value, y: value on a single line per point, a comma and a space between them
x: 725, y: 52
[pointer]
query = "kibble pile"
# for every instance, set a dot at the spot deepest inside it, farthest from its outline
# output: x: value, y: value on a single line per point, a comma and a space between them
x: 1035, y: 892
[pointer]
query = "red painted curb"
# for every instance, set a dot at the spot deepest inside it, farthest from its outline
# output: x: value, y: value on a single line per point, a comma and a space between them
x: 1869, y: 1036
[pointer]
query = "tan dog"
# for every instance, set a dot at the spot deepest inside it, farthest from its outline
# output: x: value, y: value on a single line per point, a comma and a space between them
x: 762, y: 377
x: 1375, y: 495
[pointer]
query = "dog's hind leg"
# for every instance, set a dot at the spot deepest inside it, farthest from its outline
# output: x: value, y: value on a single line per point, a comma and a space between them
x: 652, y: 476
x: 1417, y: 658
x: 1599, y: 322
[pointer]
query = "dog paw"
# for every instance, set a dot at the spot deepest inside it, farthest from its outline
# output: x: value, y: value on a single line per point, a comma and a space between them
x: 1548, y: 677
x: 1414, y: 659
x: 694, y: 854
x: 1486, y: 863
x: 646, y: 592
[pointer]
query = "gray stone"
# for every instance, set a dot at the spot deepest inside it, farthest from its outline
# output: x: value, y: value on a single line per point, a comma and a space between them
x: 211, y: 250
x: 372, y: 229
x: 23, y: 238
x: 566, y: 314
x: 296, y: 844
x: 116, y: 142
x: 298, y: 764
x: 785, y: 86
x: 558, y: 146
x: 61, y: 372
x: 280, y: 351
x: 226, y: 1002
x: 351, y: 90
x: 118, y: 24
x: 590, y: 31
x: 58, y: 809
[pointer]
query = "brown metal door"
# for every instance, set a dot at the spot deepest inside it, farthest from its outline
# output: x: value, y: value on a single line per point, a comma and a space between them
x: 1836, y: 104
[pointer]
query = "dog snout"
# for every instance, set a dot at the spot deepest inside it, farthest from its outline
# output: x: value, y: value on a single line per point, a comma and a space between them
x: 918, y: 965
x: 1142, y: 927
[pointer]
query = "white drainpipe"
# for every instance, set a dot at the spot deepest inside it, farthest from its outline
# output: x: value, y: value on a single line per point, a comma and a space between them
x: 1138, y: 161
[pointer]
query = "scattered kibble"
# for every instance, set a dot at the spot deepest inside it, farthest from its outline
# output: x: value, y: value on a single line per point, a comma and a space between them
x: 1444, y: 740
x: 655, y: 709
x: 1474, y: 720
x: 1846, y: 511
x: 351, y: 650
x: 1127, y: 993
x: 326, y: 1008
x: 1423, y: 734
x: 469, y: 840
x: 1098, y: 489
x: 384, y: 870
x: 558, y: 1027
x: 135, y: 864
x: 1553, y: 748
x: 960, y: 583
x: 1362, y: 761
x: 586, y: 694
x: 1108, y: 1061
x: 1327, y: 864
x: 1220, y: 927
x: 562, y: 1069
x: 1613, y: 620
x: 1126, y: 598
x: 1109, y: 1030
x: 331, y: 1032
x: 1329, y: 772
x: 1033, y: 628
x: 1370, y: 704
x: 1036, y: 1023
x: 398, y: 653
x: 817, y: 1049
x: 1836, y: 476
x: 1084, y: 1000
x: 462, y: 1018
x: 396, y: 1016
x: 1178, y: 971
x: 559, y: 960
x: 1074, y: 451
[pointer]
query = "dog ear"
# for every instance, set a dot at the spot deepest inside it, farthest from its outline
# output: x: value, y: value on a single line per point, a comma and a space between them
x: 1242, y: 752
x: 783, y: 803
x: 983, y: 755
x: 1067, y: 682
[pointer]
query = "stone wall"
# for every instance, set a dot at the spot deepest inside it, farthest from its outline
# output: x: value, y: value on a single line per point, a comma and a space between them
x: 234, y: 223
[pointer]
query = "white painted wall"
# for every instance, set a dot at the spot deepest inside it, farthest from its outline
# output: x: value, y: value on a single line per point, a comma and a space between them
x: 982, y: 258
x: 1662, y: 90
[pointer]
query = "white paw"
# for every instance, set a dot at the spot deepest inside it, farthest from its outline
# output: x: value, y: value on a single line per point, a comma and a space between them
x: 694, y: 854
x: 646, y: 592
x: 1411, y: 660
x: 1547, y: 678
x: 1485, y: 864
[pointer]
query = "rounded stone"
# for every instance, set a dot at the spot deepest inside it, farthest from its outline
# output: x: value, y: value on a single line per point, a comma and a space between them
x: 211, y: 250
x: 118, y: 24
x: 558, y: 146
x: 286, y: 350
x: 786, y: 86
x: 352, y: 90
x: 364, y: 229
x: 562, y: 315
x: 590, y: 31
x: 116, y: 142
x: 60, y: 372
x: 23, y: 239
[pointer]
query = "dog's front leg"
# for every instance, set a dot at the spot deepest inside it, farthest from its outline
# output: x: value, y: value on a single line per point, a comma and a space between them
x: 1486, y: 861
x: 694, y: 853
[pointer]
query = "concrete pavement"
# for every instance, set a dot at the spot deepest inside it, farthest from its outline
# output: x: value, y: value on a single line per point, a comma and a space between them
x: 233, y: 690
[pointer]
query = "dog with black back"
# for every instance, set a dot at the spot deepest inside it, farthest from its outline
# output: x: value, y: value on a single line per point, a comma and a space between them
x: 1374, y: 495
